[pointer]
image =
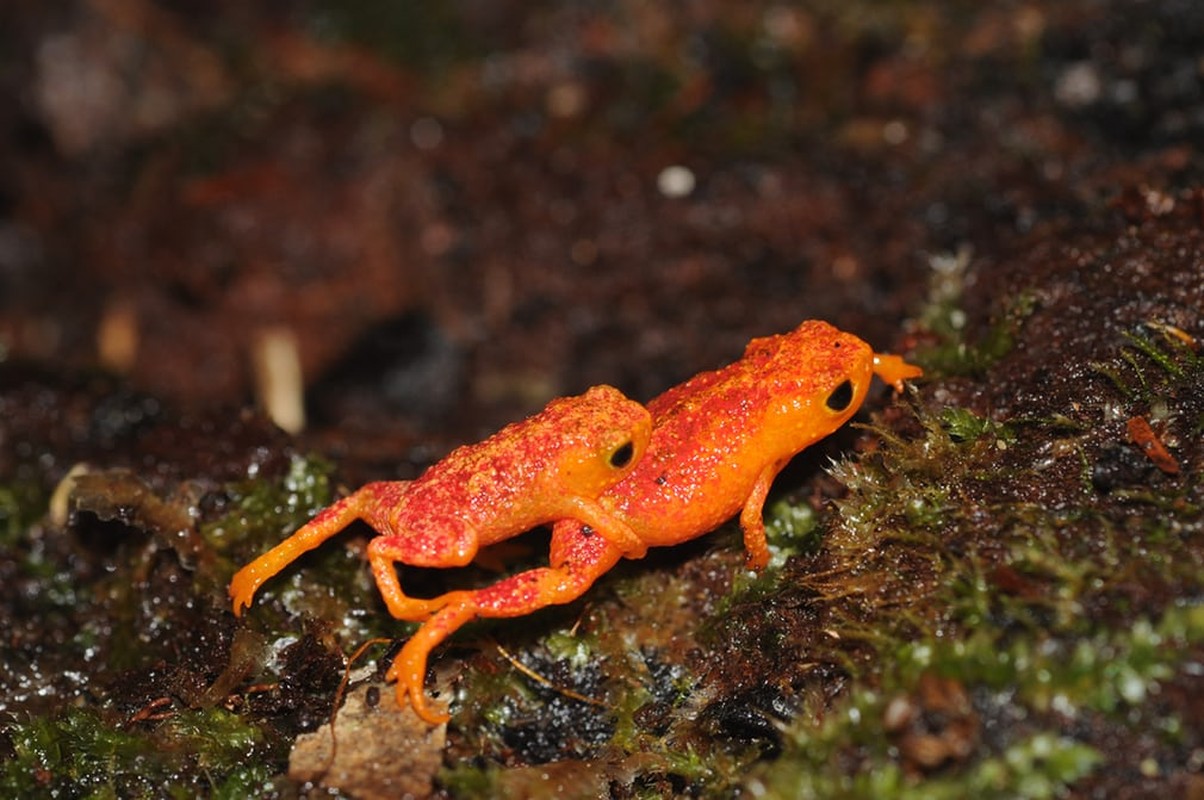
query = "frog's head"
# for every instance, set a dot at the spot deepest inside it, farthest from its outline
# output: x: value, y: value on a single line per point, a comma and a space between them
x: 819, y: 376
x: 602, y: 439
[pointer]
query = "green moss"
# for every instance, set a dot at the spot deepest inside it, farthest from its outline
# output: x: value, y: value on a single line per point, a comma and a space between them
x: 21, y: 504
x: 1041, y: 766
x: 792, y: 529
x: 907, y: 489
x: 215, y: 738
x: 467, y: 781
x: 1109, y: 672
x: 1176, y: 361
x: 943, y: 316
x: 1106, y: 671
x: 261, y: 511
x: 954, y: 492
x: 84, y: 753
x: 1151, y: 367
x: 76, y: 750
x: 964, y: 425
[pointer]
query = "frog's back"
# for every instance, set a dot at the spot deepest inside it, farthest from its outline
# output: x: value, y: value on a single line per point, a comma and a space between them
x: 715, y: 434
x: 518, y: 477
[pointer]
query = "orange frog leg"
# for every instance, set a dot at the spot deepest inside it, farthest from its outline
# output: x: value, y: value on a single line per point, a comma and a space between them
x: 447, y: 543
x: 365, y: 504
x: 608, y: 526
x: 751, y: 520
x: 578, y: 560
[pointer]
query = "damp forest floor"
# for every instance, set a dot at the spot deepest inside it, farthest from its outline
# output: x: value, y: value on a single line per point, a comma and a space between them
x: 989, y: 585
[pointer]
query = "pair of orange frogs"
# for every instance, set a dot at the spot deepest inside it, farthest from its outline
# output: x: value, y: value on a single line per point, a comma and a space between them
x: 614, y: 478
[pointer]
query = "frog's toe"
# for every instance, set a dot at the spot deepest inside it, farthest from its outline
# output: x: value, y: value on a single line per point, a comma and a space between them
x: 410, y: 692
x: 241, y: 595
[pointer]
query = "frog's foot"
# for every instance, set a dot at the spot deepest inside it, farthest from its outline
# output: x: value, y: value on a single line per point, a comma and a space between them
x: 894, y: 370
x: 328, y: 522
x: 580, y: 558
x: 409, y: 667
x: 243, y: 587
x: 609, y: 527
x: 247, y: 580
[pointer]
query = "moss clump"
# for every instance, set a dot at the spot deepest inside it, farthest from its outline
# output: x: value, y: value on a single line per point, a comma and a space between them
x: 943, y: 317
x: 21, y: 504
x: 85, y: 753
x: 260, y: 512
x: 1040, y: 766
x: 856, y: 749
x: 1177, y: 364
x: 792, y: 529
x: 964, y: 425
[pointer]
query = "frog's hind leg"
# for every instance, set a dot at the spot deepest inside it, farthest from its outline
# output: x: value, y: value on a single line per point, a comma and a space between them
x: 328, y: 522
x: 578, y: 558
x: 383, y: 553
x: 441, y: 542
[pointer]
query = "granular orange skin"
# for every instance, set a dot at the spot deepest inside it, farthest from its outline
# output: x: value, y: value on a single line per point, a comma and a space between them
x: 718, y: 441
x: 551, y: 466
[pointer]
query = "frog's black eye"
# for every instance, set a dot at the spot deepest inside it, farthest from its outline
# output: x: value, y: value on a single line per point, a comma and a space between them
x: 621, y: 457
x: 841, y: 396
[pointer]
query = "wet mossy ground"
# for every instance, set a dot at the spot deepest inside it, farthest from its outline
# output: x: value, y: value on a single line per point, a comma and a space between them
x: 989, y: 586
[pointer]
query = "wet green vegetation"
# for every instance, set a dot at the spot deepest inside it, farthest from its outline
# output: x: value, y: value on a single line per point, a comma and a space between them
x: 167, y: 710
x: 85, y: 753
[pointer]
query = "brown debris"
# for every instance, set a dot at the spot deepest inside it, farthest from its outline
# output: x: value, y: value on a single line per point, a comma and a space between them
x: 1142, y: 435
x: 120, y: 495
x: 934, y: 726
x: 372, y: 750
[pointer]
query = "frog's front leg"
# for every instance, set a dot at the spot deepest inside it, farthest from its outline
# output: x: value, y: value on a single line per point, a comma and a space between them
x: 752, y: 522
x: 328, y: 522
x: 578, y: 560
x: 608, y: 526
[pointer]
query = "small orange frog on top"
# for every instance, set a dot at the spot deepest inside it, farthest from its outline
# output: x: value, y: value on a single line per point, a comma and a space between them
x: 718, y: 442
x: 548, y: 467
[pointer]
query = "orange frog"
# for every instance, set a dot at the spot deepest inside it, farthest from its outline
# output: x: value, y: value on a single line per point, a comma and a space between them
x: 718, y: 441
x: 551, y: 466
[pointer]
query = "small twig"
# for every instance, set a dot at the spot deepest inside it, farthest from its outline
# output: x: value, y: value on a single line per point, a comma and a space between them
x: 535, y: 676
x: 261, y: 688
x: 338, y: 696
x: 150, y: 712
x: 579, y: 620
